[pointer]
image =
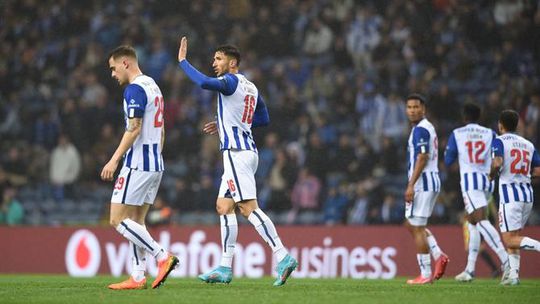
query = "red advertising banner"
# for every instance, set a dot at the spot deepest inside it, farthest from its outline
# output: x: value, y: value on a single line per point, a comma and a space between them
x: 371, y: 252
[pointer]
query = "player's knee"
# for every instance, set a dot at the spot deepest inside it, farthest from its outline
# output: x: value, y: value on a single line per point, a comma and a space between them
x: 245, y: 211
x: 221, y: 210
x: 506, y: 238
x: 114, y: 222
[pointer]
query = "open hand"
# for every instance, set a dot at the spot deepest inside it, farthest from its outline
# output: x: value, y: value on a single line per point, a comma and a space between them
x: 182, y: 51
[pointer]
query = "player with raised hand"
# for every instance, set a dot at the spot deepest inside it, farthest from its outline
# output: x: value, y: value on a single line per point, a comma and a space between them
x: 514, y: 158
x: 471, y: 145
x: 137, y: 184
x: 423, y: 187
x: 239, y: 109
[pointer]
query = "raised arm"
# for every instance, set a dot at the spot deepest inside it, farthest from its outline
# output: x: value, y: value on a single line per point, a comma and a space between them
x: 225, y: 84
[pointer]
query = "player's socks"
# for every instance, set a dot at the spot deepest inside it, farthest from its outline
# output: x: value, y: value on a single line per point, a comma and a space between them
x: 229, y: 233
x: 433, y: 246
x: 529, y: 244
x: 138, y: 234
x: 474, y: 245
x: 138, y: 262
x: 424, y: 261
x: 493, y: 239
x: 514, y: 265
x: 267, y: 230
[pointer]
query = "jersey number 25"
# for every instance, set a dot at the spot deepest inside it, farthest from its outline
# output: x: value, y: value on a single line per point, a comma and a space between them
x: 521, y: 157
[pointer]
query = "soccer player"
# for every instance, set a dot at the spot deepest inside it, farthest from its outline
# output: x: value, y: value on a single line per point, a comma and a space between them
x: 240, y: 108
x: 138, y: 181
x: 422, y: 190
x: 513, y: 159
x: 471, y: 144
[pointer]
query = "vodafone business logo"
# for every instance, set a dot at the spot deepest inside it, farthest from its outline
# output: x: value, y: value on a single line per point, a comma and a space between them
x: 83, y: 254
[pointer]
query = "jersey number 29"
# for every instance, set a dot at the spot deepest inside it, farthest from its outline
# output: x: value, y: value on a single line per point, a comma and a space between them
x: 158, y: 118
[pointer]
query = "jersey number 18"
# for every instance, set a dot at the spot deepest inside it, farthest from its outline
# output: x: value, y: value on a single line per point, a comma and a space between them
x: 249, y: 107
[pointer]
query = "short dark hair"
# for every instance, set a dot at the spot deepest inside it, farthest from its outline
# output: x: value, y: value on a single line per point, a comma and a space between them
x: 509, y: 119
x: 123, y: 50
x: 418, y: 96
x: 231, y: 51
x: 471, y: 112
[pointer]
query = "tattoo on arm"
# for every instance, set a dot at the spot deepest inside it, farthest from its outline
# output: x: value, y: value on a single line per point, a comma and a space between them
x: 134, y: 124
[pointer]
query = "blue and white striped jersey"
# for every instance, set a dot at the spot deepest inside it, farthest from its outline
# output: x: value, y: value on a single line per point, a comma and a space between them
x: 423, y: 139
x: 143, y: 99
x: 471, y: 145
x: 235, y: 114
x: 519, y: 156
x: 240, y: 107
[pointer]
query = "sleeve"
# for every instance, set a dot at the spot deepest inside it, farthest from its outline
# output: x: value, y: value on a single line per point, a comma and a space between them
x: 421, y: 140
x: 260, y: 117
x: 535, y: 159
x: 451, y: 152
x: 226, y: 84
x: 136, y: 100
x: 497, y: 148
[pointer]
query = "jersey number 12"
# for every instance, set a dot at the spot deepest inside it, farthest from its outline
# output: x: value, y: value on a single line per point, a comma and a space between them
x: 476, y: 147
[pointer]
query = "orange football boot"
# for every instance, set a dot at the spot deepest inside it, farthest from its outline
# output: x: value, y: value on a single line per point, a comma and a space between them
x: 129, y: 284
x: 419, y: 280
x: 440, y: 266
x: 164, y: 268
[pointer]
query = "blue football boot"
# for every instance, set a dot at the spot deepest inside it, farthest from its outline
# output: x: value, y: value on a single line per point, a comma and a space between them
x: 219, y: 275
x: 284, y: 269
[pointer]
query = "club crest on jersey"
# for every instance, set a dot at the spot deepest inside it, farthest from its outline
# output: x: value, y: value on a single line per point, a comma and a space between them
x: 132, y: 101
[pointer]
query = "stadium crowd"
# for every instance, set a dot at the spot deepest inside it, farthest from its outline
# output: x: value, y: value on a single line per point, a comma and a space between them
x: 333, y: 74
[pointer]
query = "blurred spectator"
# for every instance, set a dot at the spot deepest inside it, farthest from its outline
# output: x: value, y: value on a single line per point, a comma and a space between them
x: 159, y: 213
x: 280, y: 182
x: 392, y: 211
x: 335, y: 205
x: 14, y: 166
x: 65, y: 166
x: 46, y: 130
x: 305, y: 193
x: 318, y: 39
x: 11, y: 211
x: 205, y: 194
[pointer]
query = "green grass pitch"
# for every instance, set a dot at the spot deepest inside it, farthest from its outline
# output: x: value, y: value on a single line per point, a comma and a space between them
x: 64, y: 289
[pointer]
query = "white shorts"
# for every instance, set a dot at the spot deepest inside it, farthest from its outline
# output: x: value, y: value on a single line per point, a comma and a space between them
x: 475, y: 199
x: 513, y: 215
x: 418, y: 211
x: 238, y: 180
x: 134, y: 187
